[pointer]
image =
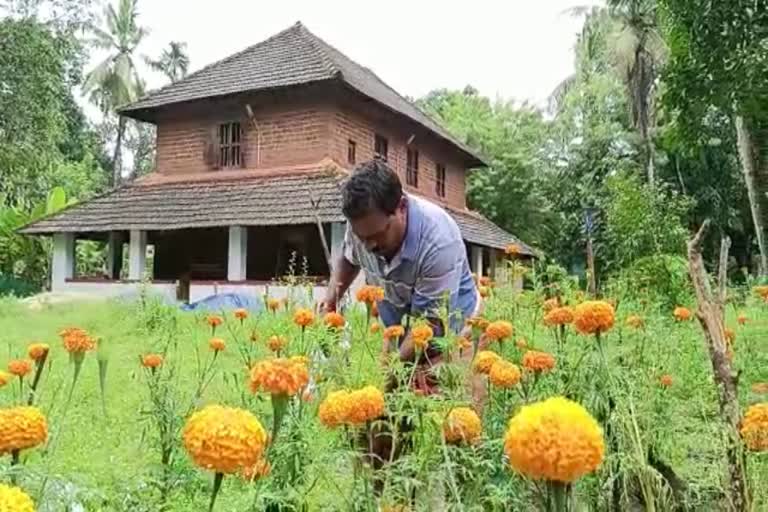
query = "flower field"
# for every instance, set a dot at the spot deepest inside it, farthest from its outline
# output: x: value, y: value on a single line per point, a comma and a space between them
x: 586, y: 405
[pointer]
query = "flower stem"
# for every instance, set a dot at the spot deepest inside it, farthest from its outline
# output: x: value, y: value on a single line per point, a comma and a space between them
x: 36, y: 380
x: 559, y: 493
x: 14, y: 463
x: 216, y: 487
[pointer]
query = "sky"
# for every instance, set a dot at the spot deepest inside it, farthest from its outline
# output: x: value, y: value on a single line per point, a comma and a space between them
x: 515, y: 49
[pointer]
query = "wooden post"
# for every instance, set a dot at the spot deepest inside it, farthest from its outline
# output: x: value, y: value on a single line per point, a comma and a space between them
x: 326, y: 250
x: 711, y: 317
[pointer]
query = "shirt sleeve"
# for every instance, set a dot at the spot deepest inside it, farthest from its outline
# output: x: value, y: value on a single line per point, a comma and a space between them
x: 350, y: 247
x: 438, y: 280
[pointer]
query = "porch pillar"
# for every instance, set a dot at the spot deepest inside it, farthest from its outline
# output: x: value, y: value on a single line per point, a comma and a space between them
x: 114, y: 255
x: 338, y: 229
x: 477, y: 260
x: 238, y: 253
x: 493, y: 262
x: 63, y: 264
x: 137, y: 255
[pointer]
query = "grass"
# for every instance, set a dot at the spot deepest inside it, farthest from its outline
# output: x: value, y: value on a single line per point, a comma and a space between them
x: 111, y: 463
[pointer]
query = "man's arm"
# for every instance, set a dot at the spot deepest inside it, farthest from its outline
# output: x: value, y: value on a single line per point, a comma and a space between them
x: 342, y: 276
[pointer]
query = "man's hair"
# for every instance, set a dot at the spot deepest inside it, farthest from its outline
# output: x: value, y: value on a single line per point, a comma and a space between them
x: 373, y: 185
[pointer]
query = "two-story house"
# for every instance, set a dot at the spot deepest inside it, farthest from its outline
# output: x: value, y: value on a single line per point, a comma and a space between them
x: 250, y: 152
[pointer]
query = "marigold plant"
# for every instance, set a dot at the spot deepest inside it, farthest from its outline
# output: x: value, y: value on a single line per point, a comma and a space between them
x: 754, y: 427
x: 421, y: 336
x: 333, y: 410
x: 334, y: 320
x: 742, y: 319
x: 20, y: 367
x: 365, y: 405
x: 593, y: 317
x: 538, y: 362
x: 303, y: 317
x: 393, y: 332
x: 681, y: 314
x: 256, y: 471
x: 484, y: 360
x: 224, y: 439
x: 729, y: 335
x: 513, y: 249
x: 665, y: 380
x: 550, y: 304
x: 241, y: 314
x: 273, y: 304
x: 635, y: 321
x: 276, y: 343
x: 22, y: 428
x: 214, y: 320
x: 463, y: 343
x: 462, y: 425
x: 375, y: 327
x: 370, y: 294
x: 38, y: 351
x: 760, y: 388
x: 478, y: 323
x: 217, y: 344
x: 761, y: 291
x: 555, y: 440
x: 76, y: 340
x: 5, y: 378
x: 504, y: 374
x: 375, y: 310
x: 484, y: 291
x: 279, y: 376
x: 13, y: 499
x: 485, y: 281
x: 499, y: 330
x: 559, y: 316
x: 152, y: 361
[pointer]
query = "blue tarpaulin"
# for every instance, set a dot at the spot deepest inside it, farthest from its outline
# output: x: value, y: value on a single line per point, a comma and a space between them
x: 225, y: 301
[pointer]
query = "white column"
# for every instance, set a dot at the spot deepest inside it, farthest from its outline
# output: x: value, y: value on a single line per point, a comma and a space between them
x: 238, y: 253
x: 477, y: 260
x: 137, y: 255
x: 337, y: 240
x: 63, y: 264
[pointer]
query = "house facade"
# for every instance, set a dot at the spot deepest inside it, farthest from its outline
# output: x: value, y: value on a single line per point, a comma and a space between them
x: 251, y: 151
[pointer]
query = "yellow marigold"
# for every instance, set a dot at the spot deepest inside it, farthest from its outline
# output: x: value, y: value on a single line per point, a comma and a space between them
x: 77, y: 340
x: 478, y: 322
x: 550, y: 304
x: 421, y: 336
x: 277, y: 343
x: 462, y: 425
x: 22, y: 428
x: 536, y: 361
x: 754, y: 427
x: 303, y: 317
x: 521, y: 343
x: 504, y: 374
x: 38, y: 351
x: 463, y: 343
x: 334, y: 320
x: 217, y: 344
x: 762, y: 291
x: 499, y: 330
x: 365, y: 405
x: 665, y: 380
x: 512, y: 249
x: 20, y: 367
x: 682, y: 314
x: 333, y: 410
x: 593, y: 316
x: 485, y: 281
x: 273, y: 304
x: 559, y: 316
x: 261, y: 469
x: 484, y: 291
x: 393, y: 332
x: 555, y: 440
x: 224, y: 439
x: 375, y: 327
x: 730, y: 335
x: 484, y: 360
x: 635, y: 321
x: 214, y: 320
x: 5, y: 378
x: 279, y: 376
x: 152, y: 361
x: 761, y: 388
x: 13, y: 499
x: 370, y: 294
x: 241, y: 314
x: 742, y: 319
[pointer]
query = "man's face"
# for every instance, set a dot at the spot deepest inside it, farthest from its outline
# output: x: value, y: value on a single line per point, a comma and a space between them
x: 381, y: 233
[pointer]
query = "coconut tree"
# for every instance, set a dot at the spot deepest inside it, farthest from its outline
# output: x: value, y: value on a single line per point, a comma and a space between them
x: 115, y: 80
x: 173, y: 62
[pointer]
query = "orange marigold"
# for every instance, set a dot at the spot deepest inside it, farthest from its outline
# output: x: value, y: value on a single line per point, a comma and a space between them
x: 484, y: 360
x: 152, y: 361
x: 76, y: 340
x: 22, y: 428
x: 521, y: 343
x: 504, y: 374
x: 273, y: 304
x: 462, y: 425
x: 375, y: 327
x: 478, y: 322
x: 393, y: 332
x: 681, y: 314
x: 365, y: 405
x: 761, y: 291
x: 559, y: 316
x: 5, y: 378
x: 484, y: 291
x: 370, y: 294
x: 593, y: 317
x: 20, y: 367
x: 333, y: 410
x: 303, y: 317
x: 512, y: 249
x: 742, y: 319
x: 217, y: 344
x: 214, y: 320
x: 536, y: 361
x: 665, y: 380
x: 499, y: 330
x: 754, y: 427
x: 761, y: 388
x: 485, y: 281
x: 334, y: 320
x: 550, y: 304
x: 38, y: 351
x: 730, y: 335
x: 635, y: 321
x: 463, y: 343
x: 279, y: 376
x: 261, y: 469
x: 276, y: 343
x: 241, y: 314
x: 421, y: 336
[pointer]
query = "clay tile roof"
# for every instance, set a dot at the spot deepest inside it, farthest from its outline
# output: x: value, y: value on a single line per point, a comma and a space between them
x: 292, y: 57
x: 477, y: 229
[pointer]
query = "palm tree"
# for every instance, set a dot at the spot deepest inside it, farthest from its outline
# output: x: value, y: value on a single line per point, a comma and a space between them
x: 115, y: 81
x: 173, y: 62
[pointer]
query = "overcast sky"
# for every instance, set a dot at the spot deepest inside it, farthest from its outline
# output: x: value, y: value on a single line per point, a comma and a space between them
x: 518, y: 49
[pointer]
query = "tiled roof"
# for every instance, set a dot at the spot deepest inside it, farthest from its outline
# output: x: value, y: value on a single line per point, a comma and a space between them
x: 478, y: 230
x: 294, y: 56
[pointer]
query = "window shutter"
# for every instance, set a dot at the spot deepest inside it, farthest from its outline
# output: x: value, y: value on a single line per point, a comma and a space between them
x: 243, y: 143
x: 212, y: 148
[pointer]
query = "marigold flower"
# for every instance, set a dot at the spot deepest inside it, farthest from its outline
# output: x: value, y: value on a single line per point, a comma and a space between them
x: 761, y: 291
x: 224, y: 439
x: 334, y: 320
x: 665, y: 380
x: 5, y: 378
x: 730, y: 335
x: 370, y: 294
x: 214, y: 320
x: 333, y: 410
x: 485, y: 281
x: 13, y: 499
x: 76, y: 340
x: 513, y: 249
x: 421, y: 335
x: 559, y: 316
x: 742, y: 319
x: 521, y: 343
x: 550, y: 304
x: 241, y: 314
x: 38, y: 351
x: 375, y: 327
x: 555, y: 440
x: 635, y: 321
x: 365, y: 405
x: 462, y: 425
x: 478, y: 322
x: 754, y: 427
x: 393, y: 332
x: 303, y: 317
x: 261, y: 469
x: 593, y: 317
x: 279, y: 376
x: 499, y: 330
x: 19, y: 367
x: 761, y: 388
x: 273, y: 304
x: 484, y: 291
x: 375, y: 310
x: 536, y: 361
x: 22, y: 428
x: 217, y: 344
x: 463, y: 343
x: 682, y: 314
x: 504, y: 374
x: 277, y: 343
x: 152, y: 361
x: 484, y: 360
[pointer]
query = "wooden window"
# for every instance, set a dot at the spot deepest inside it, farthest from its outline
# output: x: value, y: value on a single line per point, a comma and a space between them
x: 380, y: 147
x: 412, y: 169
x: 440, y: 180
x: 351, y: 152
x: 230, y: 150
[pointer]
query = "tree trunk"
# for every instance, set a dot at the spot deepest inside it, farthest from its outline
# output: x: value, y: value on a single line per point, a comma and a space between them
x: 591, y: 277
x: 117, y: 158
x: 756, y: 191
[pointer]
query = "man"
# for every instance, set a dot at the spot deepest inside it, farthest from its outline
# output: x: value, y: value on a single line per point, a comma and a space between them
x: 411, y: 248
